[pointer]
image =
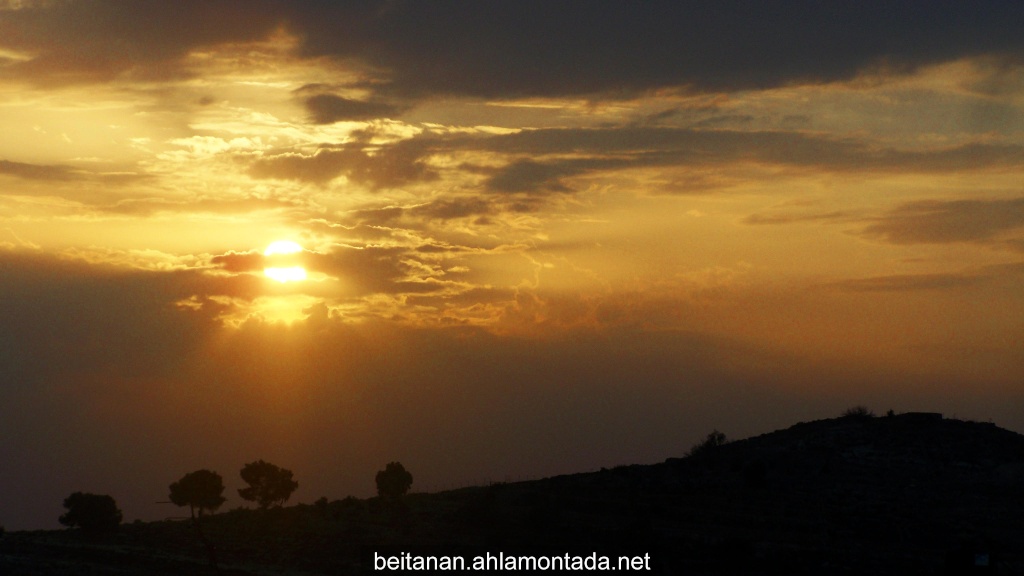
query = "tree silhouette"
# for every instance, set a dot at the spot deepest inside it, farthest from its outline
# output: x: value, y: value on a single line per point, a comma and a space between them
x: 200, y: 490
x: 94, y: 513
x: 268, y: 484
x: 393, y: 481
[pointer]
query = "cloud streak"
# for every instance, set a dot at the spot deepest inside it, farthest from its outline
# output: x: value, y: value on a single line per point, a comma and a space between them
x: 39, y: 171
x: 948, y: 221
x: 541, y: 161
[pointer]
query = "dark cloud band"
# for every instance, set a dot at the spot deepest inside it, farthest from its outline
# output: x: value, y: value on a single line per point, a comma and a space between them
x: 508, y: 49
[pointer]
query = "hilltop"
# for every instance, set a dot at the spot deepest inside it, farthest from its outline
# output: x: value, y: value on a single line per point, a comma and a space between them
x: 902, y: 494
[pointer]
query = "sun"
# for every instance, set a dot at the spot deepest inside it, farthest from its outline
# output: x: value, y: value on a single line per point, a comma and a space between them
x: 277, y: 252
x: 282, y: 247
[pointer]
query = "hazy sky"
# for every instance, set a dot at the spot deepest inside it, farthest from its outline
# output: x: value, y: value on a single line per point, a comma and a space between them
x: 538, y: 237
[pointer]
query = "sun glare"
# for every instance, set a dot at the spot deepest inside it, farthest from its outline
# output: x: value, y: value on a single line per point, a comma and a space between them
x: 291, y: 274
x: 283, y: 273
x: 282, y: 247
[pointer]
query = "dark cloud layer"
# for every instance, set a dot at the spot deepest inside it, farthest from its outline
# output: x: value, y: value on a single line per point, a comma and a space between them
x: 38, y: 171
x: 523, y: 48
x: 329, y: 108
x: 908, y: 282
x: 1005, y: 275
x: 529, y: 176
x: 946, y: 221
x: 542, y: 47
x: 788, y: 218
x: 146, y: 39
x: 651, y: 146
x: 624, y: 148
x: 52, y: 174
x: 451, y: 208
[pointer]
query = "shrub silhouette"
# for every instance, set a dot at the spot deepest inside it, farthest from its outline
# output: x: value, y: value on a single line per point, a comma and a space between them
x: 200, y: 490
x: 709, y: 444
x: 858, y: 412
x: 268, y: 484
x: 393, y: 481
x: 93, y: 513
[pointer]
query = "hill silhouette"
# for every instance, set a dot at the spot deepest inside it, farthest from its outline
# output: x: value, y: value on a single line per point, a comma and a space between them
x: 901, y: 494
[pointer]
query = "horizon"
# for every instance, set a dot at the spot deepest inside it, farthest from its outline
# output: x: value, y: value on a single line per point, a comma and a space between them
x: 244, y: 504
x: 491, y: 241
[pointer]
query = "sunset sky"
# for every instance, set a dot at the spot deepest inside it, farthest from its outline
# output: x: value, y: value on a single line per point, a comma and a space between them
x: 520, y: 238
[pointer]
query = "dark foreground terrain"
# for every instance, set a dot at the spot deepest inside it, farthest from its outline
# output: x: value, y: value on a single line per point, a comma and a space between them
x: 903, y: 494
